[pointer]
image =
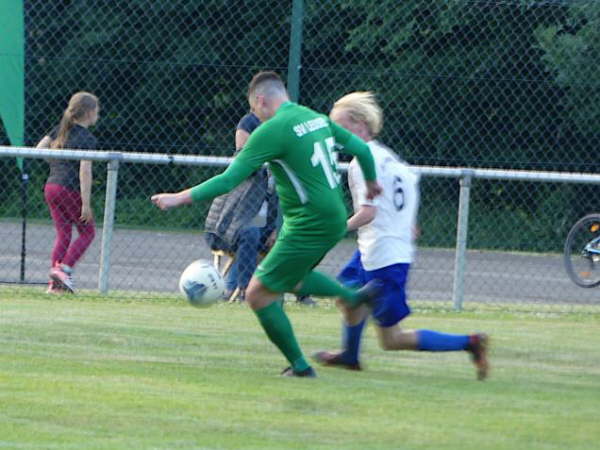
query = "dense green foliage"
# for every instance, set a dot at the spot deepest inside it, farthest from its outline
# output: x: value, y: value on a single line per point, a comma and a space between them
x: 475, y: 83
x: 467, y: 83
x: 508, y: 84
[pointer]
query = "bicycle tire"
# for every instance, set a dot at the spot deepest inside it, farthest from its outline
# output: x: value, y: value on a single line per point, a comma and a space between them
x: 582, y: 267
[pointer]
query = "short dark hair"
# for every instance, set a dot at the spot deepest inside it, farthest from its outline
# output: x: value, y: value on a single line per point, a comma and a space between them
x: 266, y: 82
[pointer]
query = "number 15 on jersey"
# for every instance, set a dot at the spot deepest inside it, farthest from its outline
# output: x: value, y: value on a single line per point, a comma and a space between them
x: 325, y: 156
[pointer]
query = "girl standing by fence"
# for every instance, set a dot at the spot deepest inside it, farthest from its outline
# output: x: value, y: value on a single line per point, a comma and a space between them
x: 68, y: 189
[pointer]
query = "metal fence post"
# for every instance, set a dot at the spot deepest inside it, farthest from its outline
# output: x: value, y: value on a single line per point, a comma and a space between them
x: 461, y: 239
x: 112, y: 172
x: 24, y: 208
x: 293, y: 79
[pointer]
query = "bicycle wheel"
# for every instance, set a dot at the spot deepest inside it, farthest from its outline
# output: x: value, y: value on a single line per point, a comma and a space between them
x: 582, y: 252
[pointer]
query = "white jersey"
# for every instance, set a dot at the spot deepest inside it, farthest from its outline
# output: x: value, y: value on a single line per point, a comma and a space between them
x: 388, y: 239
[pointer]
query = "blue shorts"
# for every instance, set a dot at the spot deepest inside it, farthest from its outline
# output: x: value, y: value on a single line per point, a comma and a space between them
x: 391, y: 306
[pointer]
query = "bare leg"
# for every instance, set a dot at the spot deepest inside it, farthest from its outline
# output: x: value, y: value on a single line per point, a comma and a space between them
x: 395, y: 338
x: 352, y: 316
x: 258, y: 295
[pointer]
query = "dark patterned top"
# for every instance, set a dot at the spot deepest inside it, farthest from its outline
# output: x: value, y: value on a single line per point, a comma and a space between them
x: 66, y: 171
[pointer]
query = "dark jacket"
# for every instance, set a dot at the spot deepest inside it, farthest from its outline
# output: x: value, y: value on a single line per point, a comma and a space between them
x: 231, y: 212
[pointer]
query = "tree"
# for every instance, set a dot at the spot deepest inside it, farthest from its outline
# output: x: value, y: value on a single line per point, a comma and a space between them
x: 571, y: 54
x: 171, y: 75
x: 462, y: 82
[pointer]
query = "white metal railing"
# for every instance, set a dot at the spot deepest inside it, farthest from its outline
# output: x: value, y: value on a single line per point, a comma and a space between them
x: 464, y: 175
x: 222, y: 161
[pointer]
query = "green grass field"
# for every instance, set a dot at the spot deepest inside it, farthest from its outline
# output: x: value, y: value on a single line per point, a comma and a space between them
x: 95, y: 373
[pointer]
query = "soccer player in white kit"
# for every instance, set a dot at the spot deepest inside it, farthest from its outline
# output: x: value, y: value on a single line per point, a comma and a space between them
x: 386, y: 228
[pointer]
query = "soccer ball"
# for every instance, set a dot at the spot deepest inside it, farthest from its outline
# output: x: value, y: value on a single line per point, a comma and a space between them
x: 201, y: 283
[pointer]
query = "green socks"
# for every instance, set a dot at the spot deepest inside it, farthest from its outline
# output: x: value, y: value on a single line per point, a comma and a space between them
x: 279, y: 330
x: 320, y: 285
x: 278, y: 327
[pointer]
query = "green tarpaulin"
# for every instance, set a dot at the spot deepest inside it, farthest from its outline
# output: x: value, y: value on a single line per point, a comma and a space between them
x: 12, y: 70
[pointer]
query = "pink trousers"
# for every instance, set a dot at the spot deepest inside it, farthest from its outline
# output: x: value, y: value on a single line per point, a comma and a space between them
x: 65, y: 209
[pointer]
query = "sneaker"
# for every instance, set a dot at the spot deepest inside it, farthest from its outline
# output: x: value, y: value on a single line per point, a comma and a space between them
x: 478, y: 346
x: 308, y: 372
x: 54, y: 288
x: 369, y: 292
x: 305, y: 300
x: 59, y: 275
x: 334, y: 360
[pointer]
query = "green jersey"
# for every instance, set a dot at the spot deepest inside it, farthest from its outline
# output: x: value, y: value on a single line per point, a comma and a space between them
x: 300, y: 147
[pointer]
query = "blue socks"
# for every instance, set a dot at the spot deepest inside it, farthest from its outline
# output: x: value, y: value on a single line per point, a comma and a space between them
x: 432, y: 341
x: 427, y: 340
x: 351, y: 337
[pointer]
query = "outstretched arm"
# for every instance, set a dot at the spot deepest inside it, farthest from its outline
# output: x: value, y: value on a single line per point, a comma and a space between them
x: 211, y: 188
x: 256, y: 152
x: 172, y: 200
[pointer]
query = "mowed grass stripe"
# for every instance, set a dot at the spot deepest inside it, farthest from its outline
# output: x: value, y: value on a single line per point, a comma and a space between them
x: 98, y: 373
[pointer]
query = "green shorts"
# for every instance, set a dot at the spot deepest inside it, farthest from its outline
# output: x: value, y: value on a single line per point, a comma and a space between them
x: 290, y: 260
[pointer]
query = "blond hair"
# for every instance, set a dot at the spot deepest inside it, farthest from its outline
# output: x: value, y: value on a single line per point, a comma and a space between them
x: 362, y: 106
x: 80, y: 104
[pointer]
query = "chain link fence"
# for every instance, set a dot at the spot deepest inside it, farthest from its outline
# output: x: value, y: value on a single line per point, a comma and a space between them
x: 510, y: 85
x: 148, y: 249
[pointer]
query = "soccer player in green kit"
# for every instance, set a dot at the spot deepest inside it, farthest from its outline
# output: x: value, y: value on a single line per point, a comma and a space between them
x: 298, y: 144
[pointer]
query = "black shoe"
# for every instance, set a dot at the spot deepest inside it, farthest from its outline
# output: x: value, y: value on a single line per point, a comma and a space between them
x: 305, y: 300
x: 369, y: 293
x: 334, y: 360
x: 308, y: 372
